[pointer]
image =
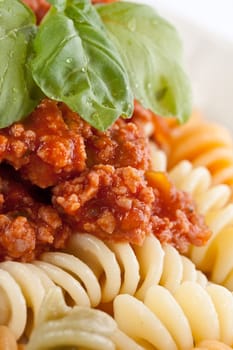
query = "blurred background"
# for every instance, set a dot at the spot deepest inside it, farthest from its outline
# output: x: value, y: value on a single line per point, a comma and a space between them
x: 206, y: 28
x: 213, y: 15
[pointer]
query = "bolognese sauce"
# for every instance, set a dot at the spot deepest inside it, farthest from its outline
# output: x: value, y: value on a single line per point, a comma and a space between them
x: 96, y: 182
x: 58, y: 174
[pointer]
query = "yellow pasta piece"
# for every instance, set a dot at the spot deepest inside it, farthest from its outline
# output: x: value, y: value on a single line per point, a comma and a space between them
x: 204, y: 143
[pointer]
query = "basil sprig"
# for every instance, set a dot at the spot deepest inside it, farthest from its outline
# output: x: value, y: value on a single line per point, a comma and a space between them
x: 152, y: 53
x: 94, y: 61
x: 18, y: 92
x: 75, y: 62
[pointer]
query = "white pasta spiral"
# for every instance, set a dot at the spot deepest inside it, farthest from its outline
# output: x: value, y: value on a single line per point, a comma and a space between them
x: 215, y: 258
x: 171, y: 321
x: 20, y: 289
x: 60, y: 327
x: 124, y: 268
x: 90, y: 273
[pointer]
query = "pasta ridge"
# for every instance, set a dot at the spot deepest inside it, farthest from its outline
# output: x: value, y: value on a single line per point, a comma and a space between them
x: 214, y: 202
x: 178, y: 320
x: 79, y: 327
x: 92, y: 273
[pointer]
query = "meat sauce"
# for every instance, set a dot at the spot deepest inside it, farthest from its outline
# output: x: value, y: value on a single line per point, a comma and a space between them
x: 28, y: 226
x: 126, y: 204
x: 59, y: 175
x: 97, y: 182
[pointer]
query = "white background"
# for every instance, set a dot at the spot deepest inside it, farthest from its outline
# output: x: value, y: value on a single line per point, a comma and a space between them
x: 213, y: 15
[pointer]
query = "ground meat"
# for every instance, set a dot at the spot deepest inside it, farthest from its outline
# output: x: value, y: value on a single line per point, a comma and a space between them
x: 43, y: 147
x: 153, y: 125
x: 110, y: 203
x: 174, y: 218
x: 121, y: 145
x: 27, y: 227
x: 120, y: 205
x: 54, y: 144
x: 101, y: 183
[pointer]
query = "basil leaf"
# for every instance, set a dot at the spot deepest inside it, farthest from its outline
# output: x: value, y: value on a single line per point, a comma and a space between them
x: 152, y: 53
x: 60, y: 5
x: 18, y: 93
x: 75, y: 62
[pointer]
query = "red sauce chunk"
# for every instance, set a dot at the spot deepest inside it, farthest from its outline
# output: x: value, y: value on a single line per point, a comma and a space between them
x: 121, y: 205
x: 43, y: 146
x: 28, y: 227
x: 59, y: 175
x: 55, y: 144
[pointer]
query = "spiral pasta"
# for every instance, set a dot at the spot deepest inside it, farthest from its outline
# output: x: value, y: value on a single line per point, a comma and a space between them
x: 80, y: 327
x: 139, y: 267
x: 215, y: 257
x: 153, y: 282
x: 203, y: 143
x: 90, y: 273
x: 178, y: 320
x: 213, y: 201
x: 20, y: 289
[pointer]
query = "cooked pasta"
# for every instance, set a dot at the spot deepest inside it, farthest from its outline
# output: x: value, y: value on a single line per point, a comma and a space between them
x: 20, y: 289
x: 204, y: 143
x: 215, y: 257
x: 7, y: 339
x: 158, y: 158
x: 177, y: 320
x: 139, y: 267
x: 60, y: 326
x: 90, y: 273
x: 93, y: 186
x: 211, y: 345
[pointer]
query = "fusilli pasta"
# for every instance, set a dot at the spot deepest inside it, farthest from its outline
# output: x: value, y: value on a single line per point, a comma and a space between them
x: 177, y: 320
x: 203, y: 143
x: 7, y: 339
x: 90, y: 273
x: 213, y: 202
x: 80, y: 327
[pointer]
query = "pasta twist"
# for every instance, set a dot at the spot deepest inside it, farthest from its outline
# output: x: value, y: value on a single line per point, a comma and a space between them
x: 7, y: 339
x: 90, y: 273
x: 178, y: 320
x: 215, y: 258
x: 204, y: 143
x: 124, y: 268
x: 20, y: 289
x: 60, y: 326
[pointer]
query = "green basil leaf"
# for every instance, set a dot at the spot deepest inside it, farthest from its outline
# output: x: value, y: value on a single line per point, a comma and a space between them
x: 75, y: 62
x: 152, y: 53
x: 18, y: 93
x: 60, y: 5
